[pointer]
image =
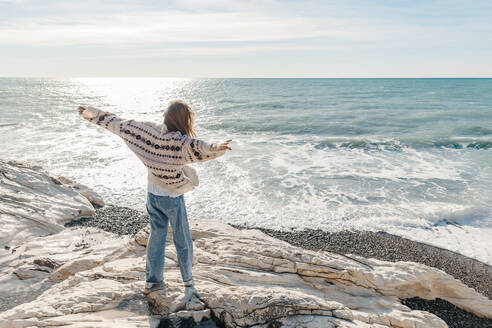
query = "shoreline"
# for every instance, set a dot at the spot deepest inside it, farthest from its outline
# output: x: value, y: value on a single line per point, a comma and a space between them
x: 380, y: 245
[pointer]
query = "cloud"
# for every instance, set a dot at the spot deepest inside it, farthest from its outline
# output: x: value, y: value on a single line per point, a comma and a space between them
x: 173, y: 26
x: 303, y: 33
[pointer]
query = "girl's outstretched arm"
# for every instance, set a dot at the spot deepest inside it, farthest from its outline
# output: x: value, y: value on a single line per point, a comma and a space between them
x: 196, y: 150
x: 105, y: 119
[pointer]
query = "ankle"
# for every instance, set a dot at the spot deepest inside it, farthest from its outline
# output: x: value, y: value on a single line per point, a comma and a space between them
x: 189, y: 283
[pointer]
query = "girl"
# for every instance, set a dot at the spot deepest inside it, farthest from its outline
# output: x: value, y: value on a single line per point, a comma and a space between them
x: 165, y: 150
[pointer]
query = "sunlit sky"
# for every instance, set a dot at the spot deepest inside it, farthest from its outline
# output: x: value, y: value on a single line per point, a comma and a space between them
x: 254, y: 38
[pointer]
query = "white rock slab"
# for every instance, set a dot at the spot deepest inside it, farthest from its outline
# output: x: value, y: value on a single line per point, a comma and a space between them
x: 32, y: 203
x: 93, y: 197
x: 222, y: 245
x: 243, y: 277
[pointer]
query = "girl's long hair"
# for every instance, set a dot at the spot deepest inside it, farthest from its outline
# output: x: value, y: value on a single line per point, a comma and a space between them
x: 180, y: 117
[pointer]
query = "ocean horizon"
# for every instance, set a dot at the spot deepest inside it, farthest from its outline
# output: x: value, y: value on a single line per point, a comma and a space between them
x: 409, y: 156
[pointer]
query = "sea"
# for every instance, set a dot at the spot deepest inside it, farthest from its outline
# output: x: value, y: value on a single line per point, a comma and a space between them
x: 411, y: 157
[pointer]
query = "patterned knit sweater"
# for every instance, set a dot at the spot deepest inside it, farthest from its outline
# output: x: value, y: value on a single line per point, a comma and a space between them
x: 164, y: 153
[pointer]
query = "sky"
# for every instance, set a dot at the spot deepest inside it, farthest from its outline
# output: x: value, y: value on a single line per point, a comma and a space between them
x: 247, y: 38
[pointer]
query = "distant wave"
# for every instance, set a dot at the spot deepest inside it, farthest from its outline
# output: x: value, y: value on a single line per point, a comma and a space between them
x: 287, y: 127
x: 395, y: 144
x: 474, y: 131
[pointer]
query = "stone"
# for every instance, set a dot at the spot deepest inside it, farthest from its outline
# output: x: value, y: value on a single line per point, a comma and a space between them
x: 142, y: 236
x: 93, y: 197
x: 32, y: 203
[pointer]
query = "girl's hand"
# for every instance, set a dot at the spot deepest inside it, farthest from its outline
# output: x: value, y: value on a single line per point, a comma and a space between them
x: 81, y: 109
x: 225, y: 145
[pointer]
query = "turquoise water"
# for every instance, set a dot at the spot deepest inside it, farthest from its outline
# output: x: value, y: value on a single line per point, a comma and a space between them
x: 407, y: 156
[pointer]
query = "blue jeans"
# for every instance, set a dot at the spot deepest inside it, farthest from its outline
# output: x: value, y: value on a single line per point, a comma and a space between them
x: 163, y: 209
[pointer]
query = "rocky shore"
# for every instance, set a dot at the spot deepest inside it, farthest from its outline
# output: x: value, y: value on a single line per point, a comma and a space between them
x: 388, y: 247
x: 380, y: 245
x: 83, y: 265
